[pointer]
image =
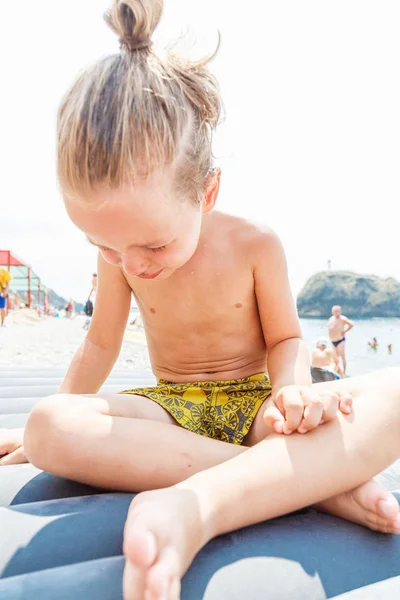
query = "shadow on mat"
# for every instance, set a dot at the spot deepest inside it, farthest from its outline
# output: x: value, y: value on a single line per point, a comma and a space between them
x: 335, y: 557
x: 50, y: 487
x: 305, y: 549
x: 99, y: 579
x: 43, y: 535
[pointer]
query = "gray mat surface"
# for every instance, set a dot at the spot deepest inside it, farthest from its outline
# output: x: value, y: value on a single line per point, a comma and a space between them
x: 384, y: 590
x: 60, y: 539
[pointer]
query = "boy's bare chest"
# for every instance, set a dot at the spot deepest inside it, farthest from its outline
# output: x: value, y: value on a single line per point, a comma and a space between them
x: 213, y: 296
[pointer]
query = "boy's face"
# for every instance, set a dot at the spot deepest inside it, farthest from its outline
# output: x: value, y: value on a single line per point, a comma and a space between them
x: 145, y: 229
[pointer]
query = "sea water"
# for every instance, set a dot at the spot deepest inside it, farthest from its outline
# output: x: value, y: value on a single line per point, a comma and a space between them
x: 360, y: 357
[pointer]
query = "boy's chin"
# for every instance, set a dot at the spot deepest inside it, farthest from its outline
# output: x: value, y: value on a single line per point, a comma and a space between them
x: 165, y: 274
x: 168, y: 272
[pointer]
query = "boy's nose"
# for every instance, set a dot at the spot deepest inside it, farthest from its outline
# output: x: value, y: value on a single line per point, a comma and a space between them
x: 134, y: 266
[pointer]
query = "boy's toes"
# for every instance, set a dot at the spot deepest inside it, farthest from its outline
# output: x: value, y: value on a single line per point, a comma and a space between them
x: 388, y: 507
x: 175, y: 589
x: 396, y: 524
x: 162, y: 577
x: 134, y: 580
x: 377, y: 523
x: 392, y: 526
x: 376, y: 499
x: 140, y: 547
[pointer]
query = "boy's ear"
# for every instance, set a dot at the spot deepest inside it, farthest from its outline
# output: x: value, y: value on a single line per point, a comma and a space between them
x: 212, y: 189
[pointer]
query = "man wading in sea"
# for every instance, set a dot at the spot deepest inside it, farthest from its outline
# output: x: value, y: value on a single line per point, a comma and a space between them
x: 338, y: 326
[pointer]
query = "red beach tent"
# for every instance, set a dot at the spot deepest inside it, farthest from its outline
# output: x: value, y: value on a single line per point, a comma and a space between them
x: 24, y: 279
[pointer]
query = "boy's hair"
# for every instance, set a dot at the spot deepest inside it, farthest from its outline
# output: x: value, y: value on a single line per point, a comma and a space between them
x: 134, y: 112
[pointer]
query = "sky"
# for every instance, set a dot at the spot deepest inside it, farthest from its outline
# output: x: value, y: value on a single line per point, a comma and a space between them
x: 310, y: 144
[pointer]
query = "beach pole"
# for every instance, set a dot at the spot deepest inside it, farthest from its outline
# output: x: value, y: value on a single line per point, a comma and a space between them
x: 39, y: 293
x: 9, y: 270
x: 29, y: 287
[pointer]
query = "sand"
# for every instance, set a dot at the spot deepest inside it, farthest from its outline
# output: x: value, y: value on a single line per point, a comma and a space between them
x: 30, y: 341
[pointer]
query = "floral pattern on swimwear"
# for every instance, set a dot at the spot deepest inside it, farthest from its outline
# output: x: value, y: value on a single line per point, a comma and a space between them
x: 222, y: 410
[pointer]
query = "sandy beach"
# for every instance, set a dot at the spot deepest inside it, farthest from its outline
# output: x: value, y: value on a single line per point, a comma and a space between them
x: 30, y: 341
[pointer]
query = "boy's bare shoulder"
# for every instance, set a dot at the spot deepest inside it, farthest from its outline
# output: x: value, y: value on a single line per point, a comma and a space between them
x: 254, y: 235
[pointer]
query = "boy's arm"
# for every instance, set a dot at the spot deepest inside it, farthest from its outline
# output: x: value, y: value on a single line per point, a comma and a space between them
x: 296, y: 405
x: 288, y: 359
x: 98, y: 352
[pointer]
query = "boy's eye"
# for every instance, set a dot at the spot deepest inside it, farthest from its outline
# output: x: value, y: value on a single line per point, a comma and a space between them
x: 103, y: 248
x: 158, y: 249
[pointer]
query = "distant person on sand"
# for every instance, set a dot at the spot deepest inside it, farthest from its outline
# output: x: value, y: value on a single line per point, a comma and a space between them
x: 93, y: 291
x: 5, y: 278
x: 324, y: 362
x: 338, y: 326
x: 373, y: 344
x: 69, y: 309
x: 89, y: 306
x: 389, y: 348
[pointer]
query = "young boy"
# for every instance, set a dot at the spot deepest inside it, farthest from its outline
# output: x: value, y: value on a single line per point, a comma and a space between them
x: 134, y: 163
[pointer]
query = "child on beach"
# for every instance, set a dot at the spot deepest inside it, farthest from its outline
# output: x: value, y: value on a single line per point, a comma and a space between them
x: 5, y: 278
x: 221, y: 437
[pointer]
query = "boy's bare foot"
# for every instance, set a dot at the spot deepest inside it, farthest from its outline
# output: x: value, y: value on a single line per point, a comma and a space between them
x: 369, y: 504
x: 166, y: 528
x: 164, y: 531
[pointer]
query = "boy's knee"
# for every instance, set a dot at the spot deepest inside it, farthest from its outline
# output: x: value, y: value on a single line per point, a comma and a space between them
x: 389, y: 380
x: 394, y: 374
x: 390, y: 390
x: 43, y: 437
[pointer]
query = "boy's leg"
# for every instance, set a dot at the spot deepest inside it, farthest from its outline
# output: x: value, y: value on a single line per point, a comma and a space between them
x: 117, y: 441
x: 166, y: 528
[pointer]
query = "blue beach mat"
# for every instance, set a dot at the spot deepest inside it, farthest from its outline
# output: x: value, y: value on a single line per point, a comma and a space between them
x: 63, y: 540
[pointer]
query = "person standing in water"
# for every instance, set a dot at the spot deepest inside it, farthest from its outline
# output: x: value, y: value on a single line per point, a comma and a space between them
x: 373, y: 344
x: 338, y: 327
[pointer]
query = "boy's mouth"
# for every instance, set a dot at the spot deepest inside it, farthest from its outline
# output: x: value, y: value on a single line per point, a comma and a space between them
x: 150, y: 276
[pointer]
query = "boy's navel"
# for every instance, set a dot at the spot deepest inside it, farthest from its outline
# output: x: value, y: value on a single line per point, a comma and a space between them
x: 238, y: 305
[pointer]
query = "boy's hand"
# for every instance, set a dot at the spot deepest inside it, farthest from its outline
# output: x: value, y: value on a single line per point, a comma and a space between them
x: 302, y: 408
x: 11, y: 447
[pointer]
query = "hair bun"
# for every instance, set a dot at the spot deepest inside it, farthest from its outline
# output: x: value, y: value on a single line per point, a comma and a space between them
x: 134, y: 21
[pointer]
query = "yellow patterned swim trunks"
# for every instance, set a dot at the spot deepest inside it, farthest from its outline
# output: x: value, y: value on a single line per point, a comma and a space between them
x: 222, y: 410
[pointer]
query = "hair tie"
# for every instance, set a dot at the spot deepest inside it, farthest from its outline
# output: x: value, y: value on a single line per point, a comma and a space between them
x: 134, y: 46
